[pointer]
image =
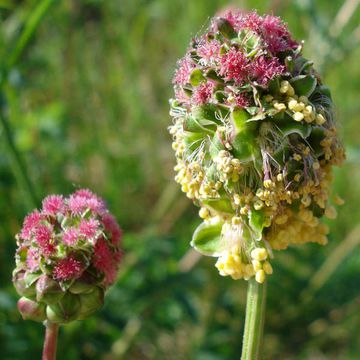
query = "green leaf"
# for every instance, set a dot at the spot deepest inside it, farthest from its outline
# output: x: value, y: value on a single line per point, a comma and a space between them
x: 193, y: 125
x: 225, y: 28
x: 304, y: 85
x: 206, y: 238
x: 257, y: 223
x: 239, y: 117
x: 219, y: 205
x: 196, y: 77
x: 293, y: 127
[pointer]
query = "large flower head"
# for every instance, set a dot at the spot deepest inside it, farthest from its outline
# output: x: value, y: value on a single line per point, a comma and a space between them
x: 68, y: 254
x: 255, y: 142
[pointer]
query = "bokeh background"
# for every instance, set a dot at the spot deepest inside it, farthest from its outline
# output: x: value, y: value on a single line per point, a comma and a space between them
x: 84, y: 88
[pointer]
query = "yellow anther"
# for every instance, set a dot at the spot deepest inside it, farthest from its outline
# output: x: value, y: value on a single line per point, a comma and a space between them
x: 308, y: 110
x: 237, y: 199
x: 268, y: 98
x: 257, y: 265
x: 244, y: 210
x: 282, y: 219
x: 338, y: 200
x: 260, y: 276
x: 316, y: 165
x: 292, y: 103
x: 236, y: 220
x: 268, y: 184
x: 298, y: 116
x: 320, y: 120
x: 330, y: 212
x: 204, y: 213
x: 297, y: 157
x: 259, y: 254
x: 306, y: 200
x: 267, y: 268
x: 280, y: 106
x: 297, y: 177
x: 290, y: 91
x: 299, y: 106
x: 279, y: 177
x: 258, y: 205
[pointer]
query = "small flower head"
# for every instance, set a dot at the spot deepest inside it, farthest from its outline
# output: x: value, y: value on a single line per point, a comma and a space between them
x: 255, y: 141
x: 69, y: 248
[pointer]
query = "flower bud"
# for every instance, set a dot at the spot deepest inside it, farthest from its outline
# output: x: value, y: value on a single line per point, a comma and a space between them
x: 31, y: 310
x: 68, y: 255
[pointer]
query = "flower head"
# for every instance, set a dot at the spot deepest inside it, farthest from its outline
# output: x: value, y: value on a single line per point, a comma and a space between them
x: 255, y: 141
x: 71, y: 248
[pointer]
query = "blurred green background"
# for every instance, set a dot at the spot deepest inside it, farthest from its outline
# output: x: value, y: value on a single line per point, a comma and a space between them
x: 84, y: 98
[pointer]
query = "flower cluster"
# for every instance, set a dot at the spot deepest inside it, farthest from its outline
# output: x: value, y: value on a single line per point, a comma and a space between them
x: 68, y: 254
x: 255, y: 141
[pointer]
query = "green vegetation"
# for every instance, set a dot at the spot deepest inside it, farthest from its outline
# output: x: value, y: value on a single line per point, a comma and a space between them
x: 84, y: 102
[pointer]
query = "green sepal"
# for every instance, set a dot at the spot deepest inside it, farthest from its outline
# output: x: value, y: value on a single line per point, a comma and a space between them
x: 66, y: 310
x: 31, y: 278
x: 225, y: 28
x: 81, y: 287
x: 91, y: 302
x: 207, y: 238
x: 293, y: 127
x: 221, y: 205
x: 193, y: 125
x: 304, y: 85
x: 243, y: 138
x: 257, y: 223
x: 48, y: 290
x: 215, y: 145
x: 193, y: 140
x: 21, y: 287
x: 196, y: 77
x: 315, y: 138
x: 208, y: 112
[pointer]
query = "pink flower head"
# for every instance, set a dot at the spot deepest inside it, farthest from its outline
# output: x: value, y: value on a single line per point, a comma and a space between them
x: 70, y: 236
x: 30, y: 223
x: 264, y: 69
x: 43, y: 237
x: 209, y: 51
x: 112, y: 227
x: 53, y: 204
x: 104, y: 261
x: 242, y: 100
x: 181, y: 96
x: 251, y: 21
x: 89, y: 228
x: 85, y: 199
x: 32, y: 259
x: 84, y: 242
x: 182, y: 74
x: 234, y: 66
x: 77, y: 204
x: 67, y: 269
x: 276, y: 34
x: 202, y: 93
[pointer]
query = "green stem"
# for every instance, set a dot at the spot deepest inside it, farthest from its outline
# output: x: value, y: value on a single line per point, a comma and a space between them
x: 50, y: 341
x: 30, y: 27
x: 18, y: 165
x: 254, y: 321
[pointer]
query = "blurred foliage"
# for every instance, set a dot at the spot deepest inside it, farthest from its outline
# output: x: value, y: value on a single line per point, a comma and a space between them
x: 84, y: 94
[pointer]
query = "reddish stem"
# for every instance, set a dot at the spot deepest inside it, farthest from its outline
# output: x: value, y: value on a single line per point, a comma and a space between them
x: 50, y: 342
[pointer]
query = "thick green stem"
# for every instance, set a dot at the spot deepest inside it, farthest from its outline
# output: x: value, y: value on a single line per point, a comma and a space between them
x: 50, y: 341
x: 254, y: 321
